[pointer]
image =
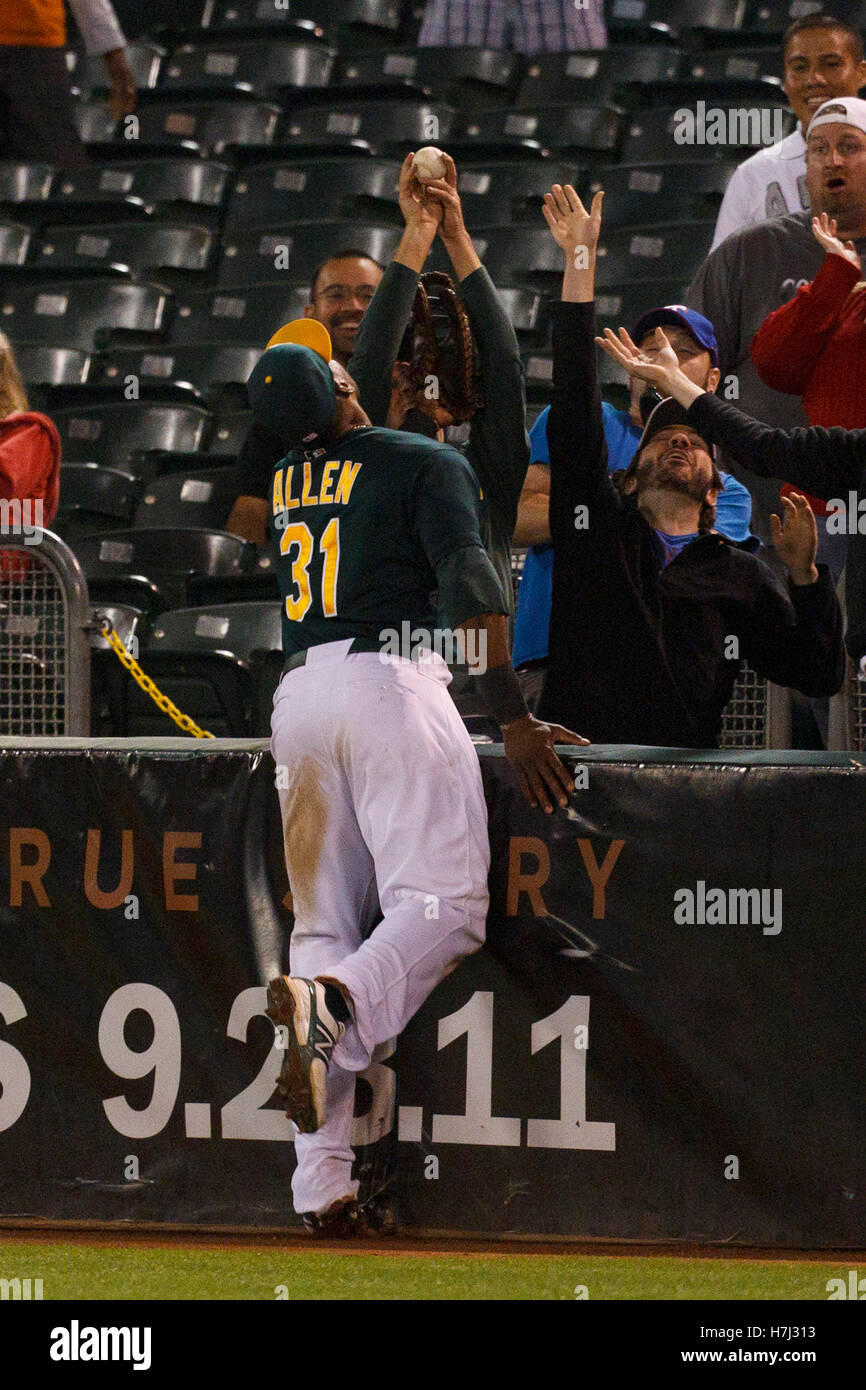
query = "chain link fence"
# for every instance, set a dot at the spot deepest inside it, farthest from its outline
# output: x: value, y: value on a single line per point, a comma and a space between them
x: 44, y: 647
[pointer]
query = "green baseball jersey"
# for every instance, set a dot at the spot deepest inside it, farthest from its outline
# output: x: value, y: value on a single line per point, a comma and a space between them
x: 367, y: 529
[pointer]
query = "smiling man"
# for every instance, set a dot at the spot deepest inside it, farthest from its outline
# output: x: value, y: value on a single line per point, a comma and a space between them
x: 762, y: 267
x: 823, y: 58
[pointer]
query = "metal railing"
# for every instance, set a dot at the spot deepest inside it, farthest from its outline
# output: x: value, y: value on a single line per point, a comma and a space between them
x: 758, y: 714
x: 44, y: 638
x: 848, y: 715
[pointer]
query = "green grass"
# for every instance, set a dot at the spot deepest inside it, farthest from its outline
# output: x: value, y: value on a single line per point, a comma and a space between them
x: 75, y: 1271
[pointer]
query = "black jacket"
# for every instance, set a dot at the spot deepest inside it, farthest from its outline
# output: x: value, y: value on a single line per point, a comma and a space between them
x: 641, y: 653
x: 828, y: 463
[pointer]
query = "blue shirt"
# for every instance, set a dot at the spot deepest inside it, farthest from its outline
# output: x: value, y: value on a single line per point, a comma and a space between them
x: 532, y: 620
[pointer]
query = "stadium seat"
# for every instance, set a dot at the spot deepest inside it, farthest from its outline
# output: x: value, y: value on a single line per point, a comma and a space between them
x: 151, y: 183
x: 674, y: 251
x: 108, y: 679
x: 674, y: 15
x: 71, y: 313
x: 389, y: 128
x: 256, y: 584
x: 595, y: 76
x: 298, y: 248
x: 25, y: 183
x: 369, y: 16
x: 14, y: 243
x: 229, y: 433
x: 246, y: 314
x: 95, y: 123
x: 108, y: 434
x: 639, y: 194
x: 143, y: 247
x: 619, y: 306
x: 93, y: 500
x: 208, y: 127
x: 198, y: 367
x: 87, y: 75
x: 207, y: 660
x: 650, y: 134
x: 264, y: 66
x: 47, y: 366
x: 585, y: 130
x: 149, y: 569
x: 469, y: 78
x: 538, y: 367
x: 736, y: 64
x: 502, y: 194
x: 191, y: 498
x: 524, y: 308
x: 526, y: 255
x: 305, y: 189
x: 774, y: 16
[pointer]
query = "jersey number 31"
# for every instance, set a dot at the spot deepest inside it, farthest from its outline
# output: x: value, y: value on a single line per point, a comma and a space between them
x: 300, y: 535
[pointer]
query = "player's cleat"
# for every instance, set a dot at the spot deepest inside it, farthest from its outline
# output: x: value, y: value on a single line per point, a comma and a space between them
x: 312, y: 1033
x: 339, y: 1221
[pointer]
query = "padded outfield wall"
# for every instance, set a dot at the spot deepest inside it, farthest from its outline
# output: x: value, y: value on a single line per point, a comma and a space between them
x: 662, y: 1040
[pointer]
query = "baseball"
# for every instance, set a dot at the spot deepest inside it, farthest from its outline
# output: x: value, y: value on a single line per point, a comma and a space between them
x: 428, y: 163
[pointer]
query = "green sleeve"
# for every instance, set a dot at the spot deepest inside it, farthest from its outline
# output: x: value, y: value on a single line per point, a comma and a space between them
x: 498, y: 444
x: 379, y: 338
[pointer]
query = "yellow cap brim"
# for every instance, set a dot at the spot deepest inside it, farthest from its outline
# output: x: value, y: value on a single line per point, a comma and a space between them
x: 306, y: 333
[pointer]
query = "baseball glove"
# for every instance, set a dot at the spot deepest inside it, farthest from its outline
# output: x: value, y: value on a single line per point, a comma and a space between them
x: 438, y: 344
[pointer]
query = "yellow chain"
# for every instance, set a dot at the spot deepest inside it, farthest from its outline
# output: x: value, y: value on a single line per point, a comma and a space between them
x: 183, y: 721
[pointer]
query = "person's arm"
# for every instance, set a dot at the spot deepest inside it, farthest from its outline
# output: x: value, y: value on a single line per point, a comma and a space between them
x: 260, y: 452
x: 575, y: 425
x: 795, y: 639
x: 443, y: 510
x: 498, y: 446
x: 385, y: 320
x: 103, y: 36
x: 533, y: 512
x: 790, y: 341
x: 824, y: 462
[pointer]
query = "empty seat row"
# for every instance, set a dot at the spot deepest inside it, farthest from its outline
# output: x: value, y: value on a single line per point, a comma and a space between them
x: 336, y: 189
x: 390, y: 129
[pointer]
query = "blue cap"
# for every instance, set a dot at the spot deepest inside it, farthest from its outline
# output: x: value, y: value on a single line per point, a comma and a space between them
x: 292, y: 393
x: 700, y: 328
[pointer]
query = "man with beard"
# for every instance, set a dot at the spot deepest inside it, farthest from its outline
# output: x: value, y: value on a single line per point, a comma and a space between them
x: 340, y: 292
x: 652, y: 609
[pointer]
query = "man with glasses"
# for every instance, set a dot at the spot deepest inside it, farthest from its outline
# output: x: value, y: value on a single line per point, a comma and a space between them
x: 340, y: 292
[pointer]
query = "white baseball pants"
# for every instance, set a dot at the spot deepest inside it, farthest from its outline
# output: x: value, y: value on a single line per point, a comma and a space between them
x: 382, y: 805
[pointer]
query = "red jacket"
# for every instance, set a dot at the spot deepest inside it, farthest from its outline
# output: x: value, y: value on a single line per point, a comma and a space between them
x: 815, y: 347
x: 29, y: 471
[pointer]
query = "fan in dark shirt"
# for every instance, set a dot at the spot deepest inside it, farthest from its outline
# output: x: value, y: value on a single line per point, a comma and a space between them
x: 652, y: 609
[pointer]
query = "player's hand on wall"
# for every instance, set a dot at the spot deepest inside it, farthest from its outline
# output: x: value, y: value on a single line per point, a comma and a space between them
x: 422, y: 214
x: 529, y: 747
x: 824, y: 230
x: 571, y: 226
x: 796, y: 545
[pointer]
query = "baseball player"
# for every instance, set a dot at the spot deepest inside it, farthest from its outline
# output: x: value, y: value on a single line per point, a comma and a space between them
x: 381, y: 794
